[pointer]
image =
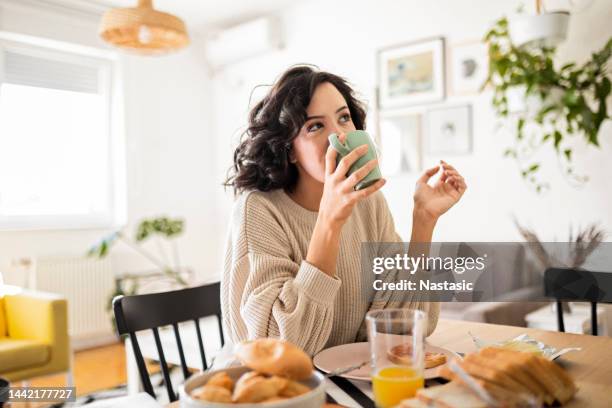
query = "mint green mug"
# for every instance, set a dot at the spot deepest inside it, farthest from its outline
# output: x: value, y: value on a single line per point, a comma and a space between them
x: 353, y: 140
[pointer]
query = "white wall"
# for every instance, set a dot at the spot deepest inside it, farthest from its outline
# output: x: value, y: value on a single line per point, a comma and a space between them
x: 343, y: 36
x: 167, y: 111
x: 182, y: 126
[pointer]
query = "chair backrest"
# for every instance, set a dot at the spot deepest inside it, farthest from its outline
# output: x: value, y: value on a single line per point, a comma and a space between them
x: 152, y: 311
x: 578, y: 285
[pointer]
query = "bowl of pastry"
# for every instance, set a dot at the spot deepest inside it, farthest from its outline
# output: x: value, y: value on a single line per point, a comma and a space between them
x: 274, y: 374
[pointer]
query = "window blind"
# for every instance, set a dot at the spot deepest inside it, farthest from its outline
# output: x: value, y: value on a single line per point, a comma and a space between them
x: 23, y: 69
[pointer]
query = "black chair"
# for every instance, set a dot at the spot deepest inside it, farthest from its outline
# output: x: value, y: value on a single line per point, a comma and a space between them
x: 578, y: 285
x: 151, y: 311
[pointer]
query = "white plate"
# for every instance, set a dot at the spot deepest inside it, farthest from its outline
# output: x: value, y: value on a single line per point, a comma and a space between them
x: 350, y: 354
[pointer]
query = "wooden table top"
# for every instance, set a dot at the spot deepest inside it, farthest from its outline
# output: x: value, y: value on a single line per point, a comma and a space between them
x: 591, y: 368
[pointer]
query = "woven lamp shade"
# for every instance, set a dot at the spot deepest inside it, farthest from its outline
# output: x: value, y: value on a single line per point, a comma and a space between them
x: 143, y: 30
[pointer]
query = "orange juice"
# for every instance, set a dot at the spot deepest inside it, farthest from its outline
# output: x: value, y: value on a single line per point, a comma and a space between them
x: 394, y: 384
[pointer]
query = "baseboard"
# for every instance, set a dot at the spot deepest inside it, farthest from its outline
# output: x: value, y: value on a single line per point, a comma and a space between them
x: 88, y: 342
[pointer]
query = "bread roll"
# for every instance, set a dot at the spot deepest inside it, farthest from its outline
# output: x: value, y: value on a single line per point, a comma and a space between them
x: 275, y: 357
x: 221, y: 379
x: 293, y: 389
x: 213, y: 393
x: 274, y: 399
x: 259, y: 389
x: 245, y: 379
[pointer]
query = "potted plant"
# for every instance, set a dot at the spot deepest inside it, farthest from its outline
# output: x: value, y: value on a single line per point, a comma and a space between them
x: 559, y: 102
x: 546, y: 29
x: 169, y: 270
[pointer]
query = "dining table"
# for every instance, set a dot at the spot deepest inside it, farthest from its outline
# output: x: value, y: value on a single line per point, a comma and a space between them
x: 591, y: 368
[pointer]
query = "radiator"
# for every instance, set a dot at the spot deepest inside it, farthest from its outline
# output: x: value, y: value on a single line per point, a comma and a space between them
x: 87, y: 284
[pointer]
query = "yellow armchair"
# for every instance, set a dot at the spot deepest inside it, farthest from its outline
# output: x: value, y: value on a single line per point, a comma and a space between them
x: 33, y: 335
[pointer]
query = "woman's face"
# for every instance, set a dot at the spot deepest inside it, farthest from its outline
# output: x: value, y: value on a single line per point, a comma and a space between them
x: 327, y: 113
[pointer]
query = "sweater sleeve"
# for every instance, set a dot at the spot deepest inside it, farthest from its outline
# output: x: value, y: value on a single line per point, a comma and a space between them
x: 271, y: 294
x: 397, y: 299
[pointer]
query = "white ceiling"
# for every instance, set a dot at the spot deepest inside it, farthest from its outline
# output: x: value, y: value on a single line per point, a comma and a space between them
x: 198, y: 14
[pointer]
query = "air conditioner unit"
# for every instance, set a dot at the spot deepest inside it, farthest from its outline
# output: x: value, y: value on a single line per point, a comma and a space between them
x: 243, y: 41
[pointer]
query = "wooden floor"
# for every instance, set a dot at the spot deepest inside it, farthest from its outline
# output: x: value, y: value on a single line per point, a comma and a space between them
x: 94, y: 370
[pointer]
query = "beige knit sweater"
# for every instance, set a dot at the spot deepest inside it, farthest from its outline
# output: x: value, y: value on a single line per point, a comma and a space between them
x: 269, y: 290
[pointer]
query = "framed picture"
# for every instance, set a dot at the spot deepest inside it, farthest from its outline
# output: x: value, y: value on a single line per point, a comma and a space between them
x: 469, y: 66
x: 400, y: 143
x: 449, y: 130
x: 411, y: 74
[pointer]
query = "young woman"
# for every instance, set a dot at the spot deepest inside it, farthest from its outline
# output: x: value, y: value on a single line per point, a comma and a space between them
x: 292, y: 266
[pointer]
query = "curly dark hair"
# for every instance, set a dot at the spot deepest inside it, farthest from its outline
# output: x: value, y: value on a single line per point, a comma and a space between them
x: 262, y: 159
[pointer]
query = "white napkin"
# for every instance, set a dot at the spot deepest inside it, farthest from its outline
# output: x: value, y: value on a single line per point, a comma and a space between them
x: 140, y: 400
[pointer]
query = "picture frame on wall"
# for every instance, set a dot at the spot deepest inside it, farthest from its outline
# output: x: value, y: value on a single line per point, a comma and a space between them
x: 449, y: 130
x: 411, y: 74
x: 468, y: 67
x: 400, y: 143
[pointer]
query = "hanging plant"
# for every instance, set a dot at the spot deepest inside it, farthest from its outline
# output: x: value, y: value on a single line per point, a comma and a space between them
x: 558, y: 102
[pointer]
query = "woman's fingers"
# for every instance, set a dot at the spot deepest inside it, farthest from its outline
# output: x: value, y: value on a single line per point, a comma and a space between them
x: 445, y: 165
x: 348, y: 160
x: 427, y: 175
x: 330, y: 160
x: 457, y: 183
x: 361, y: 194
x: 448, y: 173
x: 451, y: 175
x: 359, y: 174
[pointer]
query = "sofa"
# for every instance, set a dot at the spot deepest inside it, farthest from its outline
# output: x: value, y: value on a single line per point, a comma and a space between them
x: 34, y: 337
x: 518, y: 285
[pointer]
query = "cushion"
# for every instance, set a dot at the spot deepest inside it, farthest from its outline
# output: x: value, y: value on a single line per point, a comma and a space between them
x: 19, y: 354
x: 2, y: 319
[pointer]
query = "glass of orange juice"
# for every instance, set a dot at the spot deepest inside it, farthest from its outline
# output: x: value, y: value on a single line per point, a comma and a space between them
x: 396, y: 339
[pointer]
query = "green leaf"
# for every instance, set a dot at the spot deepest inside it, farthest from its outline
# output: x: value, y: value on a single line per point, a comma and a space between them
x: 582, y: 108
x: 558, y: 138
x: 605, y: 88
x: 161, y: 226
x: 568, y: 66
x: 531, y: 169
x: 570, y: 97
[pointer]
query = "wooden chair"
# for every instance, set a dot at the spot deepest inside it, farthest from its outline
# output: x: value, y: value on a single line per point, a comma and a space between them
x: 577, y: 285
x: 152, y: 311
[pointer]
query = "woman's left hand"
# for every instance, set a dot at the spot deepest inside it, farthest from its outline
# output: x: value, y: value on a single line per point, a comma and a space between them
x: 433, y: 201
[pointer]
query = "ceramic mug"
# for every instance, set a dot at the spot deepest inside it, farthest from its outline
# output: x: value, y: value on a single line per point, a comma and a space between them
x: 353, y: 140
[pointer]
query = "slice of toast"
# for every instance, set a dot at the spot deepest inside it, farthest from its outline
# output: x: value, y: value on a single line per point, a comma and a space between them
x: 515, y: 368
x: 413, y: 403
x: 496, y: 391
x: 495, y: 376
x: 557, y: 383
x: 450, y: 395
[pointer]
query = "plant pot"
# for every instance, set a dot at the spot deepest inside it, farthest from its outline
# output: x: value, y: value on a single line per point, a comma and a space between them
x: 548, y: 29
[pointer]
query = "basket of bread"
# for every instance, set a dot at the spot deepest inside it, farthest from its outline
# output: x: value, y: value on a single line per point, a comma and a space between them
x: 274, y: 374
x: 498, y: 377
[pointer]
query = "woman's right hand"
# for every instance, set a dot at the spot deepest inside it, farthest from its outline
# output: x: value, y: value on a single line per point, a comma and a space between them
x: 339, y: 195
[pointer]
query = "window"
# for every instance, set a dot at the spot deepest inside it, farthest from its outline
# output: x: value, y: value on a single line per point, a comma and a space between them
x: 61, y: 160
